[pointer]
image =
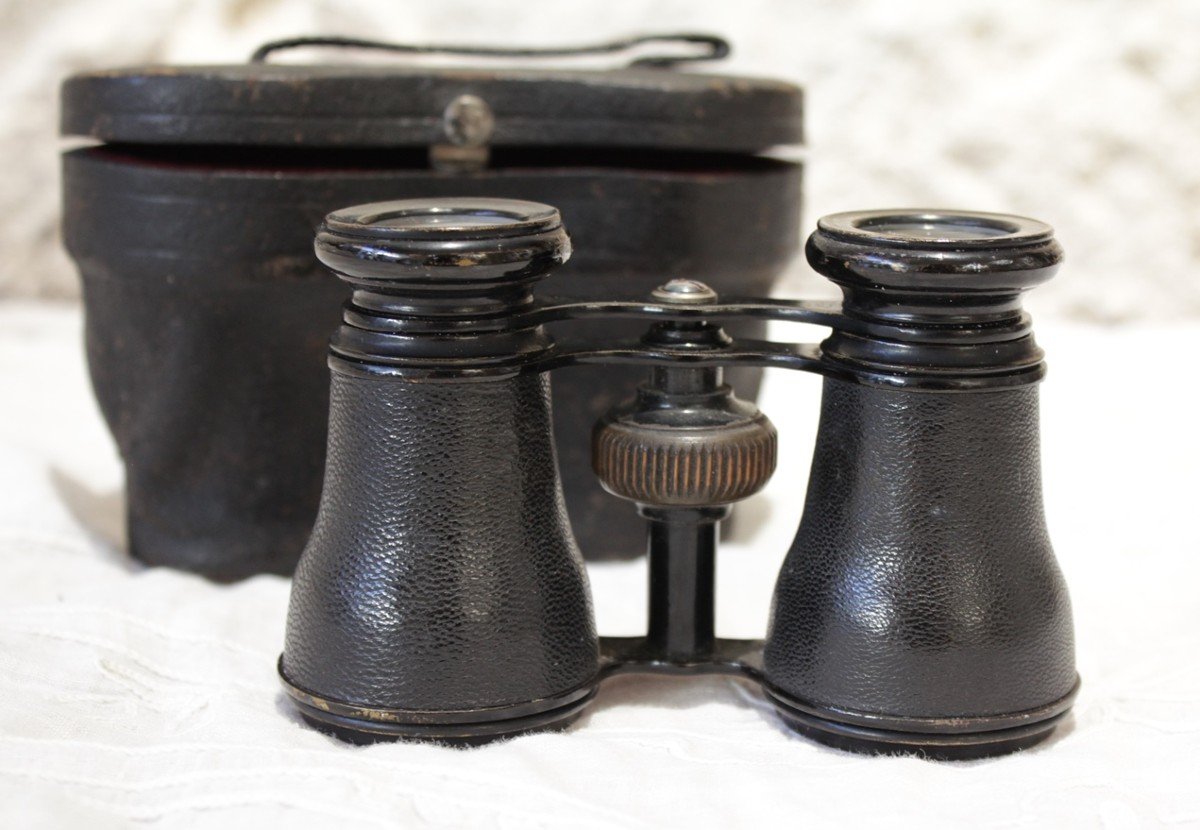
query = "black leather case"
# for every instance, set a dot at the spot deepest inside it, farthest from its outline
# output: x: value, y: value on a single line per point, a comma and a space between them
x: 192, y: 227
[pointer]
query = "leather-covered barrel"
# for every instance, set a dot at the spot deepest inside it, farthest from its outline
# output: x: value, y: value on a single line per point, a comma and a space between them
x: 921, y: 606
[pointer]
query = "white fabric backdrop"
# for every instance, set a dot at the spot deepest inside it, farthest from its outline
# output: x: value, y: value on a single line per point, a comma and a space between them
x: 130, y: 695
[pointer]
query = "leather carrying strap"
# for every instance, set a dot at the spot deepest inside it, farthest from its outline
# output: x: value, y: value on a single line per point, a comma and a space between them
x: 710, y: 47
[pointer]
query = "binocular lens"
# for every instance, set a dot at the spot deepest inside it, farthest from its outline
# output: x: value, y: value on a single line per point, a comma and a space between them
x: 935, y: 229
x: 445, y: 219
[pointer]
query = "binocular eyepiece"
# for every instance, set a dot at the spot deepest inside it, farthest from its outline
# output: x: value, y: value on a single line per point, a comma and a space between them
x: 442, y: 595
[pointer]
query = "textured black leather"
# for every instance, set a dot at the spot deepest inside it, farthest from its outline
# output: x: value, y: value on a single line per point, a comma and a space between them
x: 922, y: 582
x: 219, y: 407
x: 441, y: 574
x: 222, y: 440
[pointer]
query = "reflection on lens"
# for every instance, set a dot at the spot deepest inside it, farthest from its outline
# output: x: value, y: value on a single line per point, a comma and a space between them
x: 429, y: 219
x: 937, y: 227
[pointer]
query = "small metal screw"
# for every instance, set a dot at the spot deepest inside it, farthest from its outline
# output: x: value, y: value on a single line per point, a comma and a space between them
x: 684, y: 291
x: 467, y: 124
x: 468, y: 121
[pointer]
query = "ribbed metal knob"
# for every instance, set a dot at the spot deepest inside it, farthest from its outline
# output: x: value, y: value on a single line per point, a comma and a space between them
x: 654, y: 457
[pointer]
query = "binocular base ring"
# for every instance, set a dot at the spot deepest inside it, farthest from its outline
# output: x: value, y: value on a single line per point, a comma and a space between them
x: 365, y: 725
x: 946, y: 739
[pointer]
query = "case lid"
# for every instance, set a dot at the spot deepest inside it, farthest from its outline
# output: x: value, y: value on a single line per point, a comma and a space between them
x: 648, y: 104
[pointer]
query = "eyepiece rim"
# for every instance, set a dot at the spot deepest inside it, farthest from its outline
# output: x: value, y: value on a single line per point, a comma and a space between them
x: 517, y: 241
x: 514, y: 218
x: 1013, y: 254
x: 884, y: 228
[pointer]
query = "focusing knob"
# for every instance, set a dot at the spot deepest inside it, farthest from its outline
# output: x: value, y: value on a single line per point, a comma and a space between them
x: 697, y: 453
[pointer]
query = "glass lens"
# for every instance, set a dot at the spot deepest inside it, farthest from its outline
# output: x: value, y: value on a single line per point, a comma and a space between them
x: 938, y: 227
x: 430, y: 219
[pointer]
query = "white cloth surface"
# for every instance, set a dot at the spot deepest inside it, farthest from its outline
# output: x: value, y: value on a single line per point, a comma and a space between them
x: 135, y: 695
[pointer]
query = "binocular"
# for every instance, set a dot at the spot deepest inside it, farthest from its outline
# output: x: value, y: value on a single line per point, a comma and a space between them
x: 441, y: 595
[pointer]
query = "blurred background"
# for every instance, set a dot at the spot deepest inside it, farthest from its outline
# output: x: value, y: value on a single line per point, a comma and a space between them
x: 1084, y: 113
